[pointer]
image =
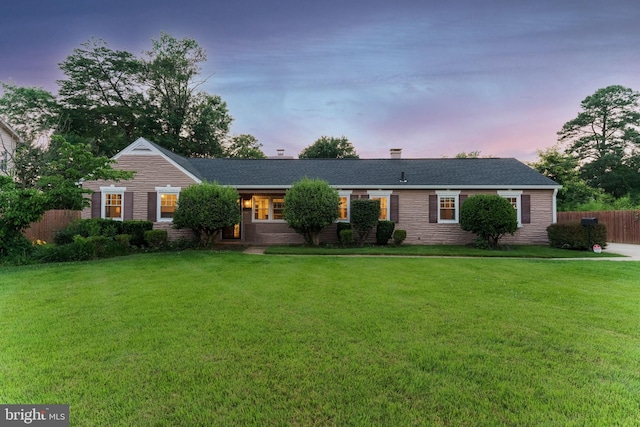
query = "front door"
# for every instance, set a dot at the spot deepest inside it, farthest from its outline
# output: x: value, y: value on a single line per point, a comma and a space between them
x: 232, y: 232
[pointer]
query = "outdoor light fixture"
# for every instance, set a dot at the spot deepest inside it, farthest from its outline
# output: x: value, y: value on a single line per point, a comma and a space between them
x: 246, y: 203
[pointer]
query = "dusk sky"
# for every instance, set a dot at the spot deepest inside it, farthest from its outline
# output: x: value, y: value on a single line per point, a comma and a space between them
x: 432, y: 78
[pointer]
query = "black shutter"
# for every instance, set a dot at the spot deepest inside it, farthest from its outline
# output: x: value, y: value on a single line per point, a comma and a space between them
x: 128, y: 205
x: 525, y: 201
x: 152, y: 206
x: 96, y: 207
x: 395, y: 208
x: 433, y: 208
x: 461, y: 199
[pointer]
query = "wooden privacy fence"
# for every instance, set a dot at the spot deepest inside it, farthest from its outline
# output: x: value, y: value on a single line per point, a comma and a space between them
x: 622, y: 226
x: 51, y: 222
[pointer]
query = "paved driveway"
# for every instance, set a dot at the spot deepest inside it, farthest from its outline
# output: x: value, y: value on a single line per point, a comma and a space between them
x: 630, y: 251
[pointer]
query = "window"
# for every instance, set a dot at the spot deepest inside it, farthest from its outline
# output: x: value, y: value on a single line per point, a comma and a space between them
x: 112, y: 202
x: 383, y: 197
x: 448, y: 206
x: 515, y: 198
x: 167, y: 202
x: 4, y: 161
x: 343, y: 209
x: 278, y: 205
x: 268, y: 208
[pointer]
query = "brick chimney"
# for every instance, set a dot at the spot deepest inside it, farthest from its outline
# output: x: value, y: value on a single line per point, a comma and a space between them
x: 396, y: 153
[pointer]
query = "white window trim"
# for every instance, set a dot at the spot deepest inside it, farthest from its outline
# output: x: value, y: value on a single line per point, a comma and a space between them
x: 456, y: 206
x: 517, y: 195
x: 103, y: 200
x: 264, y: 221
x: 161, y: 191
x: 379, y: 194
x: 346, y: 194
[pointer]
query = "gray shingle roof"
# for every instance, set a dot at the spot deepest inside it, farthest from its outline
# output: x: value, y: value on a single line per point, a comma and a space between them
x: 182, y: 161
x: 440, y: 173
x: 373, y: 173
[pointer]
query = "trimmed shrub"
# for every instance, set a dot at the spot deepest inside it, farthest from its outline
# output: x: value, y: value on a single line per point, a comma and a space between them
x: 346, y: 237
x: 490, y: 217
x: 310, y: 205
x: 156, y: 238
x: 399, y: 236
x: 384, y: 231
x: 342, y: 226
x: 136, y: 229
x: 83, y: 249
x: 573, y: 235
x: 104, y: 227
x: 364, y: 216
x: 207, y: 208
x: 123, y: 240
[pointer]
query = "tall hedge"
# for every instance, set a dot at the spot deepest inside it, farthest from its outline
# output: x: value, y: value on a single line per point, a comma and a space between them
x: 364, y: 216
x: 573, y: 235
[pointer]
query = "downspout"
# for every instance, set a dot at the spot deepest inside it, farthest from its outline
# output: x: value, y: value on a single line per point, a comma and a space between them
x: 555, y: 207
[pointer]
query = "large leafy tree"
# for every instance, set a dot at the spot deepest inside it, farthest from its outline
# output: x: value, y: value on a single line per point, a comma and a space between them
x: 32, y: 112
x: 564, y: 169
x: 102, y: 99
x: 68, y: 166
x: 244, y: 146
x: 310, y: 205
x: 192, y: 122
x: 604, y: 138
x: 110, y: 97
x: 329, y: 147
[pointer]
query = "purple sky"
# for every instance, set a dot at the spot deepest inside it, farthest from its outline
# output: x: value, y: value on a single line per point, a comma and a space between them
x: 432, y: 77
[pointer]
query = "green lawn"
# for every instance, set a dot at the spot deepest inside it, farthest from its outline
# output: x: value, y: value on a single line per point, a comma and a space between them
x: 201, y: 338
x: 514, y: 251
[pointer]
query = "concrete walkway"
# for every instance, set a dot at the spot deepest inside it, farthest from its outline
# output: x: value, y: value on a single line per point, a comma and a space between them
x: 255, y: 250
x: 629, y: 252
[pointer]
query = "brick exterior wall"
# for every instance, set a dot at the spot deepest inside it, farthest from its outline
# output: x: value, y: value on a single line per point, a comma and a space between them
x: 151, y: 172
x: 155, y: 171
x: 414, y: 217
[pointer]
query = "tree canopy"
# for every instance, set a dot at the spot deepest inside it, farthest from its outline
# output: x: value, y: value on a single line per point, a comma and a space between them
x: 329, y: 147
x: 244, y: 146
x: 605, y: 140
x: 108, y: 98
x: 564, y: 169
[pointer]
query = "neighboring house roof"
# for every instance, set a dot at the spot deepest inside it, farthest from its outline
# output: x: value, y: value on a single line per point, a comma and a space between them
x: 10, y: 130
x: 443, y: 173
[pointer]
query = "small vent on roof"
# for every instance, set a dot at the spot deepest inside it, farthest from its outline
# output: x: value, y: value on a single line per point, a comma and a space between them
x: 402, y: 178
x: 142, y: 148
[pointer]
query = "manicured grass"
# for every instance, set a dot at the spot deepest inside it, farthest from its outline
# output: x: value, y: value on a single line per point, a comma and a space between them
x: 200, y: 338
x: 515, y: 251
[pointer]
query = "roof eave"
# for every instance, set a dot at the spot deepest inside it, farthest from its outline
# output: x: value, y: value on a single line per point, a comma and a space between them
x: 407, y: 187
